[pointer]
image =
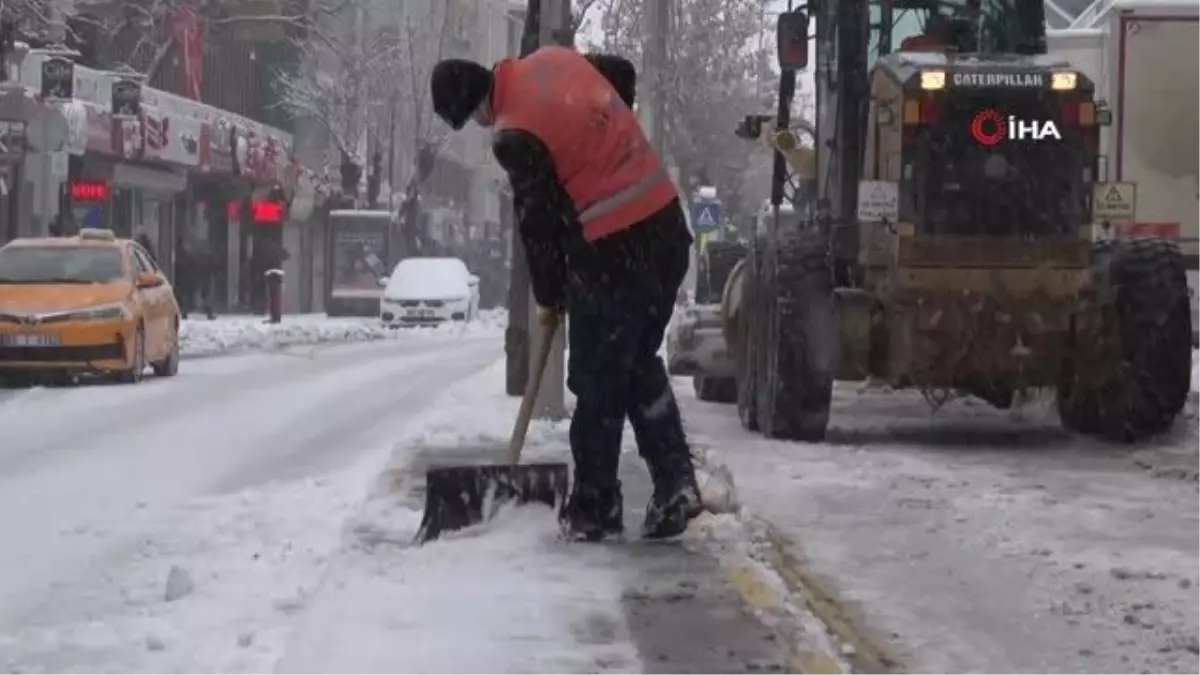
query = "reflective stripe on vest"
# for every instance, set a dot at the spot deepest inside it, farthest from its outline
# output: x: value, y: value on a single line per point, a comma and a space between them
x: 626, y: 196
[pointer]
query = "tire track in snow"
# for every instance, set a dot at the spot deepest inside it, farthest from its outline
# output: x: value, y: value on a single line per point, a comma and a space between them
x: 97, y: 533
x: 29, y: 434
x: 305, y: 453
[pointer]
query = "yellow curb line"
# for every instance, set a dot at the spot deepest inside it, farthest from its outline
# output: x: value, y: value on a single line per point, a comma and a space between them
x: 867, y: 656
x: 760, y: 595
x: 826, y: 606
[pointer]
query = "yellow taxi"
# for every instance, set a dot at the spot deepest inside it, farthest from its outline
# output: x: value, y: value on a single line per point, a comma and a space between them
x: 92, y: 303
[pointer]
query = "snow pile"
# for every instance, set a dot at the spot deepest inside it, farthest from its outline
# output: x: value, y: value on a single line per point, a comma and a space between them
x: 200, y: 337
x: 504, y: 596
x: 216, y: 589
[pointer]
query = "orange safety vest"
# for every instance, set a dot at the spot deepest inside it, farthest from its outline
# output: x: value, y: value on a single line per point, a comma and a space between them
x: 600, y: 154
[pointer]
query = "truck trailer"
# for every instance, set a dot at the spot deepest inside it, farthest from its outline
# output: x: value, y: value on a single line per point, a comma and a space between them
x: 1141, y: 56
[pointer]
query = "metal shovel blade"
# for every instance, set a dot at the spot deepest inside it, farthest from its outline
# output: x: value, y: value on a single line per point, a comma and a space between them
x: 460, y: 496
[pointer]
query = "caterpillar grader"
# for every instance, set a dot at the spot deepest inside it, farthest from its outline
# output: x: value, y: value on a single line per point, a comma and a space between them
x: 946, y: 234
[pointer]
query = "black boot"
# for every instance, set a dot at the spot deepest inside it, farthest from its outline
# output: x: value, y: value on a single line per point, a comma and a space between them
x: 676, y: 500
x: 593, y: 515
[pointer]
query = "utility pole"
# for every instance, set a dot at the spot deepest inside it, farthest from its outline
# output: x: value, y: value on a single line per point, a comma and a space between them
x: 555, y: 28
x: 392, y: 152
x: 657, y: 15
x: 516, y: 335
x: 546, y: 21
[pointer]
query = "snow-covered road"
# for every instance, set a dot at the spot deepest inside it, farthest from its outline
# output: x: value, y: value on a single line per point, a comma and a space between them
x: 248, y: 464
x: 248, y: 516
x: 255, y: 514
x: 977, y: 540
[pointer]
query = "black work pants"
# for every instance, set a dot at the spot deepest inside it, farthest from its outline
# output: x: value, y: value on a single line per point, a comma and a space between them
x: 620, y: 297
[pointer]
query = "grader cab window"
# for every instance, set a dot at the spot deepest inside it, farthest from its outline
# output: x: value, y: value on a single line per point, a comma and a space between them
x: 987, y: 26
x: 904, y: 23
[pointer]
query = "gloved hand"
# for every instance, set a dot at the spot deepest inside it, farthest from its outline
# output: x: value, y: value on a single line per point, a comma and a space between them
x: 548, y: 316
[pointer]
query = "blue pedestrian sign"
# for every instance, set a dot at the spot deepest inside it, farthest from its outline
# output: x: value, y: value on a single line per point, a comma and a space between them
x: 706, y: 216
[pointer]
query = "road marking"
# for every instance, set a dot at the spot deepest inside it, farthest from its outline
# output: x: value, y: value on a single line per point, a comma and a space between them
x: 868, y: 656
x: 816, y: 663
x: 763, y: 596
x: 754, y: 589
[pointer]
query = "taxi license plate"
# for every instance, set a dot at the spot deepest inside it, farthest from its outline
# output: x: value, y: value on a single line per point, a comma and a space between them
x: 30, y: 340
x: 420, y: 312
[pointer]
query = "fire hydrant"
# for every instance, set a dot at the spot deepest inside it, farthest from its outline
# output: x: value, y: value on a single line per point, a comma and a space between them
x: 274, y: 295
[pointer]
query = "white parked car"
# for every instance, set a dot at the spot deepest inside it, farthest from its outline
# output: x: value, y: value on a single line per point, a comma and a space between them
x: 427, y: 291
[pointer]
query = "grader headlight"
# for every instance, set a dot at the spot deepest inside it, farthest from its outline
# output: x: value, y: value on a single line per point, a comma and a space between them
x: 1065, y: 81
x: 933, y: 80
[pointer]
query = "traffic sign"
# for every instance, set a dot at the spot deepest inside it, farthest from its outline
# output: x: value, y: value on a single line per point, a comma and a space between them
x: 878, y: 200
x: 706, y: 216
x: 1114, y: 200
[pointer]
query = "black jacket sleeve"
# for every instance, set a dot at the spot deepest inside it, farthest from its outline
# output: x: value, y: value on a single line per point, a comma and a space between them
x: 545, y: 214
x: 619, y: 72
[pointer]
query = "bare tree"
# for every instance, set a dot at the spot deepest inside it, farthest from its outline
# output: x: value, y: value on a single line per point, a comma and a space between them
x: 581, y: 11
x: 29, y: 16
x: 716, y: 74
x: 365, y: 82
x: 138, y: 34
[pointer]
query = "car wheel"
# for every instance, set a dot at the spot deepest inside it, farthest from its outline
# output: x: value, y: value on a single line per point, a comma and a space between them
x: 138, y: 367
x: 169, y: 366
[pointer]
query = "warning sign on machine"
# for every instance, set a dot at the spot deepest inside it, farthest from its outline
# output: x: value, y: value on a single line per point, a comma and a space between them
x: 878, y: 200
x: 1114, y: 201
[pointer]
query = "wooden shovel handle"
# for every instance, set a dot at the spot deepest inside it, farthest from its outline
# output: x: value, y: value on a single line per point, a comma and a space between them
x: 517, y: 442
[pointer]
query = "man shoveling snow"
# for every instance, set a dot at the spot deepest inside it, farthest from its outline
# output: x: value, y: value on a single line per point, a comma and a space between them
x: 605, y: 235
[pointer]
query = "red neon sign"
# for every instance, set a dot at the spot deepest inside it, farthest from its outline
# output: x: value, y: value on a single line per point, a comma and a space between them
x: 267, y: 212
x: 89, y: 190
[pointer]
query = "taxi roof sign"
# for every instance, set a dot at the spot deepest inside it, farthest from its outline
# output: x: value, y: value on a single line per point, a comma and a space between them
x: 97, y: 234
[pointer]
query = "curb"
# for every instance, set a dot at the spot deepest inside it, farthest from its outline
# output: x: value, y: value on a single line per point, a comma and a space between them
x: 776, y: 553
x: 761, y: 595
x: 864, y: 655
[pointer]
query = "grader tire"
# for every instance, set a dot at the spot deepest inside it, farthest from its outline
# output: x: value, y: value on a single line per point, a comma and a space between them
x: 744, y: 321
x: 1131, y: 379
x: 796, y: 338
x: 720, y: 257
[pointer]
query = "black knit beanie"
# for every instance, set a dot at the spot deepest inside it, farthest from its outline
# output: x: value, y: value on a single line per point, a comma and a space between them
x: 458, y: 87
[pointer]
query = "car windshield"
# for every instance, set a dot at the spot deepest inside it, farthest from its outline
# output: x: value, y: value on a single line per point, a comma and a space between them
x: 433, y: 278
x: 60, y: 265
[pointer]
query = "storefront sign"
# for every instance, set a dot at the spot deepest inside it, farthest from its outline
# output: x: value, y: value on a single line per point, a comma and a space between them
x: 12, y: 140
x: 183, y: 142
x: 241, y: 151
x: 127, y: 138
x: 156, y: 129
x: 87, y: 108
x: 90, y: 191
x: 126, y: 99
x: 268, y: 212
x: 58, y: 79
x: 99, y: 130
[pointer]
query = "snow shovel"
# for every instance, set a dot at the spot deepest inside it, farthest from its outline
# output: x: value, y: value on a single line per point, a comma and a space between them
x: 458, y: 496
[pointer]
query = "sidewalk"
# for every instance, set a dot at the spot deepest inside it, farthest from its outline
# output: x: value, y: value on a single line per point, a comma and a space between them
x: 510, y: 597
x: 201, y: 337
